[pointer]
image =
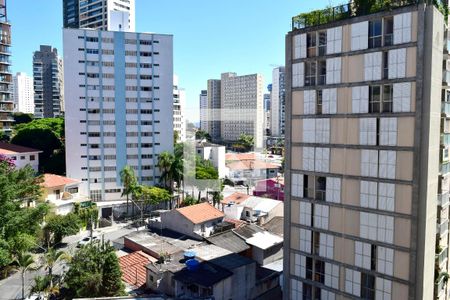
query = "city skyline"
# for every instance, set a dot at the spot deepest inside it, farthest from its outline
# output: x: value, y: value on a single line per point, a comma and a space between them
x: 230, y: 49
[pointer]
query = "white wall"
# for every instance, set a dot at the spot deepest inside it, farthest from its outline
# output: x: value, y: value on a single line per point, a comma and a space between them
x: 23, y: 92
x: 23, y: 159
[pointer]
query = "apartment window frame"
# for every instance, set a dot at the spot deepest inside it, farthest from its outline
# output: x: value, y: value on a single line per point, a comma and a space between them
x: 375, y: 33
x: 388, y: 31
x: 310, y: 73
x: 311, y: 44
x: 322, y: 42
x: 367, y: 286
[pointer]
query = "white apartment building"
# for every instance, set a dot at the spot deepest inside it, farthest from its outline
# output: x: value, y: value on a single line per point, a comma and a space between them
x: 214, y: 106
x: 23, y: 93
x: 242, y: 101
x: 179, y: 105
x: 204, y: 110
x: 111, y: 15
x: 277, y: 113
x: 119, y: 108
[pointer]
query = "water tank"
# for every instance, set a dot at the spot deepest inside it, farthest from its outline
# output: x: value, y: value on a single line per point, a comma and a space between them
x: 192, y: 264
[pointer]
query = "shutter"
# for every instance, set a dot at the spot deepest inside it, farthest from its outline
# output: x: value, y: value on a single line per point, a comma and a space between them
x: 401, y: 63
x: 406, y: 97
x: 356, y: 99
x: 303, y: 45
x: 364, y: 102
x: 406, y: 32
x: 377, y: 65
x: 391, y: 159
x: 330, y: 73
x: 338, y: 39
x: 392, y: 64
x: 398, y: 31
x: 330, y: 40
x: 337, y: 70
x: 368, y: 66
x: 363, y: 131
x: 333, y: 101
x: 326, y: 101
x: 397, y: 98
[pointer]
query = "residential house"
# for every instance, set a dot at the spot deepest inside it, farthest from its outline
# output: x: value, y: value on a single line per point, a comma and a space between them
x: 272, y: 188
x: 133, y: 267
x: 213, y: 153
x: 249, y: 171
x: 21, y: 156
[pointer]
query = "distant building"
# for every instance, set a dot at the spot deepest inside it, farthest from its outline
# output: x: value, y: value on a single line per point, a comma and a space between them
x: 204, y: 110
x: 48, y: 83
x: 6, y: 101
x: 112, y: 15
x: 267, y: 123
x: 214, y: 105
x: 179, y: 110
x: 270, y: 188
x: 23, y: 93
x: 277, y: 102
x: 196, y: 221
x: 213, y: 153
x: 21, y: 156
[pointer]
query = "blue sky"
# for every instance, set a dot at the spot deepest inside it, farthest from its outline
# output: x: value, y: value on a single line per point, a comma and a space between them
x: 210, y: 37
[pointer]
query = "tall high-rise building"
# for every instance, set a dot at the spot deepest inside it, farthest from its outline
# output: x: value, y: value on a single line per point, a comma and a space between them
x: 214, y: 106
x: 119, y: 108
x: 277, y: 111
x: 6, y: 100
x: 179, y: 106
x: 23, y: 93
x: 204, y: 110
x: 367, y: 164
x: 113, y: 15
x: 48, y: 83
x: 242, y: 100
x: 267, y: 124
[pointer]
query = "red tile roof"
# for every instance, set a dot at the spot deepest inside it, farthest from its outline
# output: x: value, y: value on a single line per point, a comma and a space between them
x: 236, y: 197
x: 240, y: 156
x: 200, y: 213
x: 237, y: 223
x: 51, y: 180
x: 133, y: 268
x: 7, y: 148
x: 251, y: 165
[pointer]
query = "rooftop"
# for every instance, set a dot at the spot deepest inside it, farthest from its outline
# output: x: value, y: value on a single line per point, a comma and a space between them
x: 232, y: 261
x: 230, y: 241
x: 51, y: 180
x: 200, y: 213
x: 247, y: 231
x: 236, y: 198
x: 207, y: 275
x: 209, y: 251
x: 261, y: 204
x: 7, y: 148
x: 133, y: 268
x: 251, y: 165
x: 240, y: 156
x: 275, y: 226
x: 264, y: 240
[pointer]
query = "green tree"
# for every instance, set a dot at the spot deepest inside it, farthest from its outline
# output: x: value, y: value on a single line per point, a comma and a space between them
x: 50, y: 258
x: 58, y: 227
x: 129, y: 182
x: 202, y: 135
x: 25, y: 262
x: 94, y: 271
x: 21, y: 118
x: 246, y: 142
x: 165, y: 160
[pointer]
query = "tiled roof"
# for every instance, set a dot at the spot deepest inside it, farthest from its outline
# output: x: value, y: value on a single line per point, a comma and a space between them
x: 133, y: 268
x: 7, y: 148
x: 200, y: 213
x: 51, y: 180
x: 236, y: 198
x: 237, y: 223
x: 240, y: 156
x: 251, y: 165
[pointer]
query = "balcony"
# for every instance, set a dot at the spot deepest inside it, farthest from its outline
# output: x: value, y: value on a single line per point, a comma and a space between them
x: 446, y: 108
x: 442, y: 257
x: 445, y: 139
x: 440, y: 284
x: 444, y: 168
x: 442, y: 228
x: 443, y: 199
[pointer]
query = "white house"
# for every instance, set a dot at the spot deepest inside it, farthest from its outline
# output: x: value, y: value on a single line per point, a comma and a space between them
x: 215, y: 154
x: 21, y: 156
x: 197, y: 221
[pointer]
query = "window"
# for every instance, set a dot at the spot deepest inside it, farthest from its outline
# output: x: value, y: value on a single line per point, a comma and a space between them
x: 309, y: 131
x: 329, y: 101
x: 352, y: 282
x: 308, y: 158
x: 305, y: 213
x: 374, y: 99
x: 32, y: 157
x: 387, y: 164
x: 334, y: 40
x: 331, y: 276
x: 311, y: 43
x: 322, y: 75
x: 300, y: 46
x: 300, y: 265
x: 322, y: 160
x: 310, y: 73
x: 333, y: 70
x: 388, y: 31
x: 372, y: 66
x: 383, y: 289
x: 322, y: 133
x: 321, y: 213
x: 326, y: 246
x: 309, y: 102
x: 385, y: 65
x: 401, y: 97
x: 369, y: 163
x: 387, y: 98
x: 402, y: 28
x: 298, y: 73
x: 367, y: 286
x: 297, y: 185
x: 322, y: 43
x: 388, y: 131
x: 321, y: 188
x: 386, y: 196
x: 96, y: 195
x: 22, y: 157
x: 368, y: 131
x: 368, y: 194
x: 319, y: 271
x: 397, y: 63
x: 359, y: 35
x: 360, y: 99
x: 333, y: 190
x: 385, y: 260
x: 363, y: 256
x: 375, y: 34
x: 305, y: 240
x: 377, y: 227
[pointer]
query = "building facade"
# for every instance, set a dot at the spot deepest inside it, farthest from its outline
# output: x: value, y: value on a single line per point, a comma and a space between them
x: 214, y: 106
x: 242, y: 107
x: 48, y: 83
x: 179, y: 106
x: 267, y: 124
x: 277, y: 111
x: 203, y: 100
x: 119, y: 108
x: 6, y: 100
x: 366, y: 202
x: 113, y: 15
x: 23, y: 93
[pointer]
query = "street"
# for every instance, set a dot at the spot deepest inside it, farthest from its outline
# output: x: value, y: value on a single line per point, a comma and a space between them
x: 11, y: 287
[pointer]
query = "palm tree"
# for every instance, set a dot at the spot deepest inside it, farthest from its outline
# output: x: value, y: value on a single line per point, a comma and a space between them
x: 26, y: 262
x: 51, y: 258
x: 165, y: 160
x: 129, y: 182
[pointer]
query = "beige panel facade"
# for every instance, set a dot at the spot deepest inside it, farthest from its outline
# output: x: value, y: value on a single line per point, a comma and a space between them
x: 297, y: 103
x: 297, y: 158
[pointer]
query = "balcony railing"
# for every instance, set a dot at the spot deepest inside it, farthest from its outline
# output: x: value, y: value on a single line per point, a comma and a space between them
x: 444, y: 168
x: 446, y: 108
x: 440, y: 284
x: 346, y: 11
x: 442, y: 228
x: 442, y: 256
x: 445, y: 139
x: 443, y: 199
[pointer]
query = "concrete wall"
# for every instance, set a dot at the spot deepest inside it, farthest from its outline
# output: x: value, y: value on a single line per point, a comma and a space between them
x: 21, y: 163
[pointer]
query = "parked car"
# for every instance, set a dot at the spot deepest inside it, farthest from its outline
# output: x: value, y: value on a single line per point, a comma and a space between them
x: 86, y: 241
